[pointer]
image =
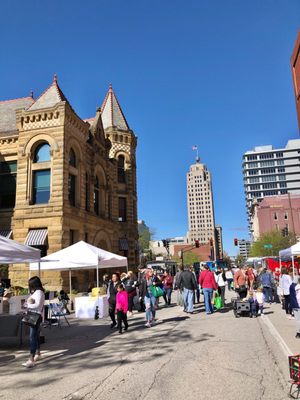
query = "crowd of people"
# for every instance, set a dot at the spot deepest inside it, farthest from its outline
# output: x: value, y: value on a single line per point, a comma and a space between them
x: 142, y: 292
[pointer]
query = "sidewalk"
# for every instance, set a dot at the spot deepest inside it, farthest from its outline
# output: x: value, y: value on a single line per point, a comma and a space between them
x: 284, y: 326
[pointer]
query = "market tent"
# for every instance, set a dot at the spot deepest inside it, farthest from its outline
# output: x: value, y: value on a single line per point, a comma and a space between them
x: 12, y: 252
x: 80, y: 255
x: 291, y: 251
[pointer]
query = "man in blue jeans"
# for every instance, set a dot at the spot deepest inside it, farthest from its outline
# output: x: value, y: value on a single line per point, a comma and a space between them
x: 267, y: 281
x: 187, y: 283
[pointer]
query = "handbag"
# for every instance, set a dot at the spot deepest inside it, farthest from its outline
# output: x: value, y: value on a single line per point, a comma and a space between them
x: 218, y: 301
x: 31, y: 319
x: 157, y: 291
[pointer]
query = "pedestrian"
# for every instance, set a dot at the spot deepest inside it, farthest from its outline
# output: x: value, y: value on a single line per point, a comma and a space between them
x: 229, y: 278
x: 64, y: 299
x: 167, y: 287
x: 297, y: 289
x: 251, y: 277
x: 221, y: 283
x: 112, y: 293
x: 105, y: 282
x: 260, y: 298
x: 141, y: 276
x: 177, y: 288
x: 240, y: 282
x: 267, y: 281
x: 122, y: 307
x: 208, y: 284
x: 187, y: 283
x: 149, y: 299
x: 35, y: 303
x: 130, y: 287
x: 293, y: 297
x: 285, y: 282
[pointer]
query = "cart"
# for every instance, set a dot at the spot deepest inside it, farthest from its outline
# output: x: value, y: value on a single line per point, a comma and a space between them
x: 241, y: 308
x: 294, y: 362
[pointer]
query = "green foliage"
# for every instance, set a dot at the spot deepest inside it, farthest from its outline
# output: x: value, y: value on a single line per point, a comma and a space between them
x: 239, y: 260
x: 144, y: 238
x: 189, y: 258
x: 226, y: 259
x: 277, y: 241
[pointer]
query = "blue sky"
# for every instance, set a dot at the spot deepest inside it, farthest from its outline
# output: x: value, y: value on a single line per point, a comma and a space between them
x: 213, y: 73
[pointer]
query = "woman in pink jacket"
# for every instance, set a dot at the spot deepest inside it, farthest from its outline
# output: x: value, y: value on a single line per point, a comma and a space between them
x: 208, y: 284
x: 122, y: 307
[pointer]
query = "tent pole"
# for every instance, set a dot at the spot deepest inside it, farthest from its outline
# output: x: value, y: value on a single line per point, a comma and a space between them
x: 98, y: 272
x: 293, y: 265
x: 39, y: 269
x: 280, y: 266
x: 70, y: 285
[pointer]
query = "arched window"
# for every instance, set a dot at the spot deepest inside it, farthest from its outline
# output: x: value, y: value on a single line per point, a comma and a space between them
x: 96, y: 196
x: 72, y: 158
x: 87, y: 192
x: 121, y: 169
x: 42, y: 153
x: 41, y: 174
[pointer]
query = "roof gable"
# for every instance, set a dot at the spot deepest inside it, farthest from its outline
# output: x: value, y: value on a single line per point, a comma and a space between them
x: 51, y: 96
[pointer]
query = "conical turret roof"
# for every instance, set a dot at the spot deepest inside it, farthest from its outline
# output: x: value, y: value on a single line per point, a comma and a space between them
x: 112, y: 114
x: 51, y: 96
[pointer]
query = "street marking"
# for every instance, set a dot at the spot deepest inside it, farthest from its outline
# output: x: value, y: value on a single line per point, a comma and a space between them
x: 287, y: 351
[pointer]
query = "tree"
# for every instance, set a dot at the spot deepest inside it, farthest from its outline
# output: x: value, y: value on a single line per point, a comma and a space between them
x: 226, y: 259
x: 189, y: 258
x: 239, y: 260
x: 275, y: 239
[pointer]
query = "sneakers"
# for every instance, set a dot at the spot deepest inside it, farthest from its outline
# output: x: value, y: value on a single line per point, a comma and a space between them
x: 112, y: 325
x: 148, y: 325
x: 37, y: 357
x: 28, y: 364
x: 130, y: 314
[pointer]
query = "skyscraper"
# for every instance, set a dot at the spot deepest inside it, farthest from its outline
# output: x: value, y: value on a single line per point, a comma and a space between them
x: 201, y: 219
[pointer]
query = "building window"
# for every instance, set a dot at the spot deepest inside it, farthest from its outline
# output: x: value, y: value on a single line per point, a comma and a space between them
x: 8, y: 176
x: 286, y: 215
x: 275, y: 216
x: 72, y: 190
x: 87, y: 192
x: 73, y: 174
x: 72, y: 158
x: 41, y: 174
x: 122, y: 209
x: 41, y: 186
x: 42, y: 153
x: 96, y: 196
x: 121, y: 169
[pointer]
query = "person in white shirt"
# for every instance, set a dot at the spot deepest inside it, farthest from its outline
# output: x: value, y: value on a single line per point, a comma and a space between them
x: 285, y: 282
x: 221, y: 282
x: 35, y: 303
x: 229, y: 278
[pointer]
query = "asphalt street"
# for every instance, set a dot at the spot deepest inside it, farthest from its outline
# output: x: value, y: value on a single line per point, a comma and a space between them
x: 181, y: 357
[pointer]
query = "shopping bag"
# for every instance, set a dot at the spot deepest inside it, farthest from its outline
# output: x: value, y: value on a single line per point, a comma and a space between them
x: 31, y: 319
x: 218, y: 302
x: 157, y: 291
x: 213, y: 298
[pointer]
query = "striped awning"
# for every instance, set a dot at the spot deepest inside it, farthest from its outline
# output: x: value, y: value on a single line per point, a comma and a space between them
x: 37, y: 237
x: 123, y: 244
x: 6, y: 233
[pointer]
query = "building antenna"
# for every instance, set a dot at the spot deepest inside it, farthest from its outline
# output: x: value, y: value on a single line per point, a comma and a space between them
x: 195, y: 148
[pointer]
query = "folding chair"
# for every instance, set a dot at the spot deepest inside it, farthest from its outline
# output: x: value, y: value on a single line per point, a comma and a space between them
x: 57, y: 311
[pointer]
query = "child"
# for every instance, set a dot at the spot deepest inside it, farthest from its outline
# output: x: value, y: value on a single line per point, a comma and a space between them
x: 260, y: 298
x: 253, y: 303
x: 122, y: 307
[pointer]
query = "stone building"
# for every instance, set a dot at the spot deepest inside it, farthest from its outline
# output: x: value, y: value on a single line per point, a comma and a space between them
x: 65, y: 179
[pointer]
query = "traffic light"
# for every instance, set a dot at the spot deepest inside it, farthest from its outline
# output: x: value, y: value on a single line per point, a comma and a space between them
x: 236, y: 242
x: 197, y: 244
x: 164, y: 242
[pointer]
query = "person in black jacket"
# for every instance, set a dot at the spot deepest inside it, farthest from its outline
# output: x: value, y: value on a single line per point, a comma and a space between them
x: 187, y: 282
x: 112, y: 293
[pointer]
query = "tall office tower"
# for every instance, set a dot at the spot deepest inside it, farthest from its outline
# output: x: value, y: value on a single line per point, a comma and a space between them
x: 270, y: 172
x: 295, y: 64
x: 201, y: 219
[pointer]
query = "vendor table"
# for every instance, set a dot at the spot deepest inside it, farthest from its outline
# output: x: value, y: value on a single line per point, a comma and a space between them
x: 85, y: 306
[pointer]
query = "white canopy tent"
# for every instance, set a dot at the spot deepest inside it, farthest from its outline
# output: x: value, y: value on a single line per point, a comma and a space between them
x: 12, y: 252
x: 80, y: 255
x: 290, y: 252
